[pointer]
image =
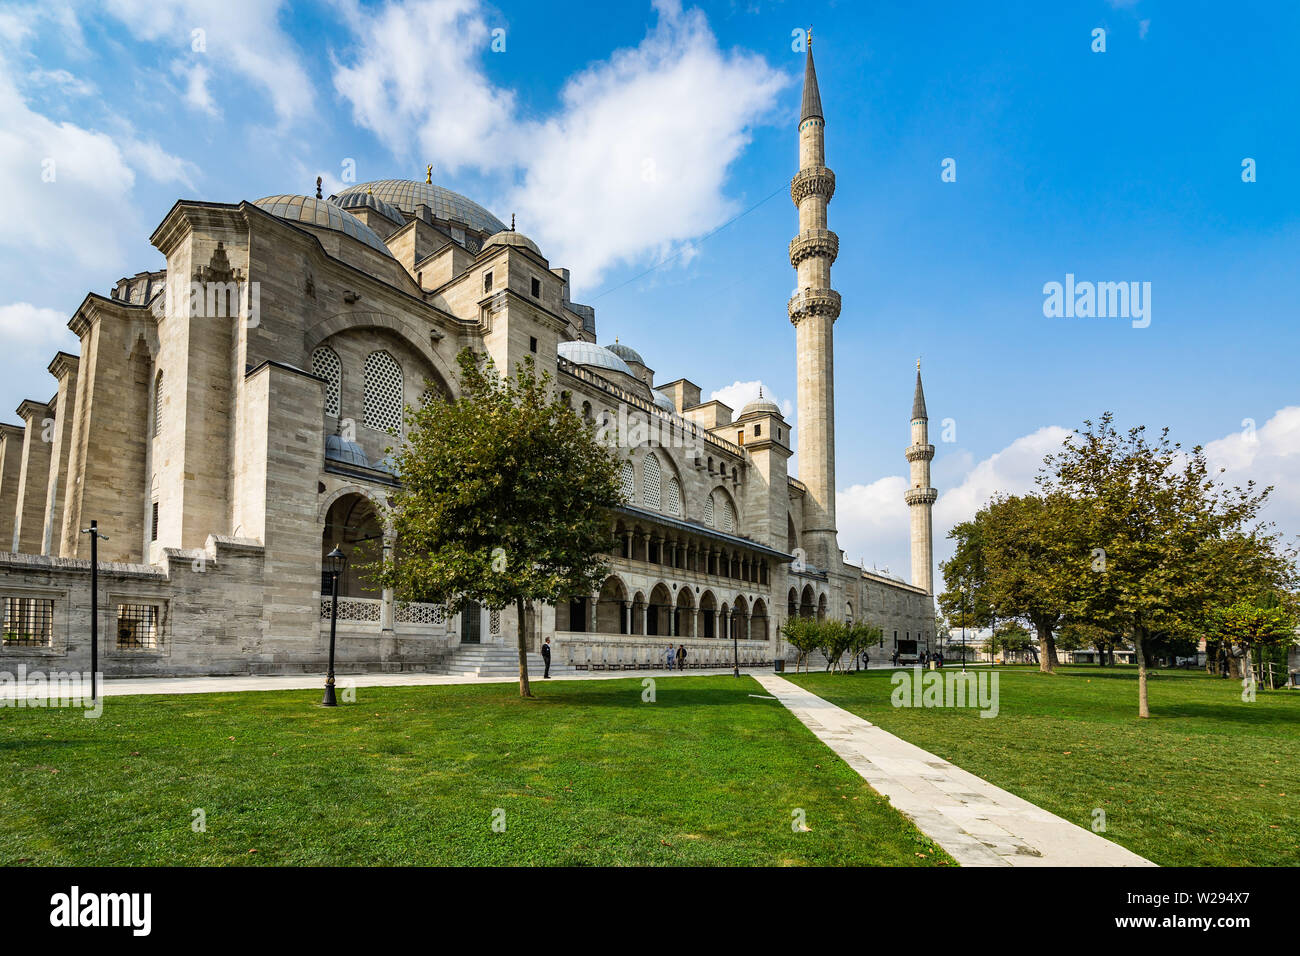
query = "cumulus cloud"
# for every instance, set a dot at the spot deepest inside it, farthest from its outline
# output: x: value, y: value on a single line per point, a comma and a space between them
x: 739, y: 394
x: 1270, y: 455
x: 30, y: 326
x: 631, y: 167
x: 241, y: 37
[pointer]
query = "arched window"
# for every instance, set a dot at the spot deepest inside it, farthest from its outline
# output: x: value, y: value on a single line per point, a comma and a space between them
x: 629, y: 481
x: 728, y: 517
x: 383, y: 392
x: 325, y: 363
x: 673, y: 498
x: 708, y: 511
x: 157, y: 405
x: 650, y: 481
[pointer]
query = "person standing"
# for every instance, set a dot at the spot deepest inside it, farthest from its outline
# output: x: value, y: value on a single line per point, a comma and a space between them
x: 670, y: 656
x: 546, y: 657
x: 681, y: 657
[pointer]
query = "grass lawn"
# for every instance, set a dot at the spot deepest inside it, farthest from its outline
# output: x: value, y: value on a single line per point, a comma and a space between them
x: 586, y: 774
x: 1207, y: 781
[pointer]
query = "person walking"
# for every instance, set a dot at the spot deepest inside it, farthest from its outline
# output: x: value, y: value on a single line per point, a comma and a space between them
x: 546, y: 658
x: 681, y: 657
x: 670, y: 656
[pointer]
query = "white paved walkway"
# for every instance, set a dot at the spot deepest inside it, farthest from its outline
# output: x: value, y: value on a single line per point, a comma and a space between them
x: 976, y: 822
x: 129, y: 686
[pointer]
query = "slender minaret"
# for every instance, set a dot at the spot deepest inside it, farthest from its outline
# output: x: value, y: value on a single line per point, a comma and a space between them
x: 813, y: 310
x: 920, y: 496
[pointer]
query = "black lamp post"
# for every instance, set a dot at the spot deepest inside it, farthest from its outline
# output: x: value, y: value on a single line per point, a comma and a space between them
x: 964, y: 595
x: 334, y: 563
x: 735, y: 643
x: 95, y: 536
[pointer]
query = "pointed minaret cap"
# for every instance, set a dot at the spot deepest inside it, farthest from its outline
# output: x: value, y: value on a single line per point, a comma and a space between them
x: 918, y: 400
x: 812, y: 98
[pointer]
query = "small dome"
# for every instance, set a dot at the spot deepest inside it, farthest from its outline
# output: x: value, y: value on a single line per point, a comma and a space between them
x: 508, y: 237
x: 663, y: 401
x: 761, y: 406
x: 338, y: 448
x: 444, y: 204
x: 321, y: 212
x: 370, y: 201
x: 588, y: 353
x: 625, y: 353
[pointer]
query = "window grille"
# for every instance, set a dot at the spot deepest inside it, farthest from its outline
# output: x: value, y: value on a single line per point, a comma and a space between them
x: 728, y: 518
x: 494, y: 622
x: 137, y: 627
x: 153, y: 522
x: 708, y: 511
x: 650, y: 481
x: 325, y: 363
x: 673, y: 498
x: 629, y: 481
x: 29, y: 622
x: 157, y: 405
x: 383, y: 392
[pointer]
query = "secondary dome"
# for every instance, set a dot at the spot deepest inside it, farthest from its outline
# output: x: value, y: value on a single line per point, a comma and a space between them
x: 321, y: 212
x: 664, y: 401
x: 588, y: 353
x: 370, y: 201
x: 761, y: 406
x: 338, y: 448
x: 509, y: 237
x: 625, y: 353
x: 406, y: 194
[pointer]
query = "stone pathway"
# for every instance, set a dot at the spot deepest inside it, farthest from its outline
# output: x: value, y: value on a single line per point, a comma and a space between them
x: 977, y: 823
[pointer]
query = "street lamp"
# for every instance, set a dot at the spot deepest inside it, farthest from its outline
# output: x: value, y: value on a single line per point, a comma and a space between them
x: 965, y: 594
x: 335, y: 561
x: 95, y: 537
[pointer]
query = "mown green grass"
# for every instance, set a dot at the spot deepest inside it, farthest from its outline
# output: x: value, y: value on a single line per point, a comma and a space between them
x: 1207, y: 780
x: 586, y: 774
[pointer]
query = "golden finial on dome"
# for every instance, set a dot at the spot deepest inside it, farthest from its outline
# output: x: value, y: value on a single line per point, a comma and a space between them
x: 810, y: 36
x: 428, y: 174
x: 918, y: 363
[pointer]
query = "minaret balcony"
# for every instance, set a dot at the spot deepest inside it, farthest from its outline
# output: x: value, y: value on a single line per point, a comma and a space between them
x: 814, y: 302
x: 920, y: 453
x: 812, y: 181
x: 921, y: 496
x: 814, y: 243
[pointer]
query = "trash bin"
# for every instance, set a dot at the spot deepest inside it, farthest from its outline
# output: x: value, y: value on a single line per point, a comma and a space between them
x: 778, y: 666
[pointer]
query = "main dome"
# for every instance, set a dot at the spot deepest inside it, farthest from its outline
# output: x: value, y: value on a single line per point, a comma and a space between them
x: 321, y: 212
x: 588, y: 353
x: 406, y: 194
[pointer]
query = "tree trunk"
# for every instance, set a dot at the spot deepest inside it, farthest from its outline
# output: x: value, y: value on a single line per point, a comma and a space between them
x: 525, y: 690
x: 1143, y: 709
x: 1046, y: 650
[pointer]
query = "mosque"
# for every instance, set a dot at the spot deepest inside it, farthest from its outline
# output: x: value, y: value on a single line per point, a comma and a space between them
x: 226, y: 422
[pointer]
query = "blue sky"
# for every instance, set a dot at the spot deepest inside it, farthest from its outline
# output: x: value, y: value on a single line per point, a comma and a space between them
x: 624, y: 135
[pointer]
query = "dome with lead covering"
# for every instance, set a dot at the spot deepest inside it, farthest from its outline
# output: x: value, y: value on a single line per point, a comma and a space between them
x: 338, y: 448
x: 509, y: 237
x: 761, y: 406
x: 588, y: 353
x: 370, y: 201
x: 626, y: 353
x: 444, y: 204
x: 664, y: 401
x: 321, y: 212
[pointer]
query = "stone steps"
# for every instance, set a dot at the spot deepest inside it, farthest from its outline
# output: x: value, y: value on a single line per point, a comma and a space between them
x: 496, y: 660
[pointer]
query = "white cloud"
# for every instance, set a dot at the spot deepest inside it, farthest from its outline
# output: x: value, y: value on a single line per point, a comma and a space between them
x: 25, y: 324
x: 1270, y: 455
x: 196, y: 94
x: 630, y: 168
x: 739, y: 394
x: 72, y: 185
x: 238, y: 36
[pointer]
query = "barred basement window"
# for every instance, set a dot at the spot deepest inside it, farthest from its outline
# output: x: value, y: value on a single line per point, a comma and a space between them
x: 137, y: 627
x: 29, y: 622
x: 629, y: 481
x: 650, y: 481
x: 325, y: 363
x: 673, y: 498
x: 487, y: 282
x: 153, y: 522
x: 383, y: 392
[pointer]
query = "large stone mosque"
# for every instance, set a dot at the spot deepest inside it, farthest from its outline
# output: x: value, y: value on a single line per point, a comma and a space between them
x: 227, y: 422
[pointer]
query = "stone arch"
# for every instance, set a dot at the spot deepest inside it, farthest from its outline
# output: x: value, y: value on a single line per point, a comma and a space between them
x: 724, y: 510
x: 352, y: 523
x: 611, y: 610
x: 708, y: 605
x: 323, y: 508
x: 413, y: 332
x: 659, y: 611
x: 683, y: 611
x: 638, y: 613
x: 822, y: 607
x: 792, y: 604
x: 807, y: 601
x: 758, y: 623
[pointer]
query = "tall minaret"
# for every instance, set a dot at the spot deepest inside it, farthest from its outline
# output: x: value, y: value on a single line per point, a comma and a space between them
x: 920, y: 496
x: 813, y: 310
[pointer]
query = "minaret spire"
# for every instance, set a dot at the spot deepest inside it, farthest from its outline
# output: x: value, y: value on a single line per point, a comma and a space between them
x: 813, y: 310
x: 920, y: 496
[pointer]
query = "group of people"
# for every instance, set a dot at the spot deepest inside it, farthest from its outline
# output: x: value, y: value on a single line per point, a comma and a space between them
x: 677, y: 656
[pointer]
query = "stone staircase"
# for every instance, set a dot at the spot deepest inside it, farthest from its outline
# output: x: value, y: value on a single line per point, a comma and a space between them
x: 499, y: 661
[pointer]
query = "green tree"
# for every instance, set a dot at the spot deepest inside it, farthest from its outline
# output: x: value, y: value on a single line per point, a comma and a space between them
x: 1148, y: 543
x: 1245, y: 627
x: 505, y: 498
x: 965, y: 598
x: 803, y: 634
